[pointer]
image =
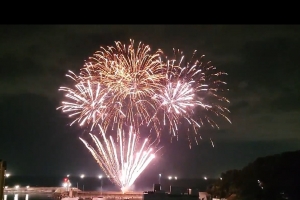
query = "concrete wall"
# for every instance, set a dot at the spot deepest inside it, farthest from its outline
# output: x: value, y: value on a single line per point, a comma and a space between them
x: 31, y: 189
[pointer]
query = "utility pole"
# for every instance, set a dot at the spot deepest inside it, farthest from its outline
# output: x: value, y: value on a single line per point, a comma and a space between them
x: 2, y: 178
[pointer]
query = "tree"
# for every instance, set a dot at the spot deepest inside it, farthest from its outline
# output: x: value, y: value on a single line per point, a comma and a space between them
x: 272, y: 177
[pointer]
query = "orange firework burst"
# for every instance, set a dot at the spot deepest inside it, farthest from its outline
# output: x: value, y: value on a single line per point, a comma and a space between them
x: 115, y: 87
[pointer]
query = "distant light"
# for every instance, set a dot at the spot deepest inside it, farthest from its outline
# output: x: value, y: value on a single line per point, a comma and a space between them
x: 27, y: 186
x: 7, y: 175
x: 175, y: 177
x: 6, y: 187
x: 64, y: 184
x: 100, y: 176
x: 220, y: 178
x: 159, y: 174
x: 82, y: 176
x: 68, y: 175
x: 170, y: 177
x: 17, y: 186
x: 205, y: 177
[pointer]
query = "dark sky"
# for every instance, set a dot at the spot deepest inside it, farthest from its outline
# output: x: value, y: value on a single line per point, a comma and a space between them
x: 263, y: 66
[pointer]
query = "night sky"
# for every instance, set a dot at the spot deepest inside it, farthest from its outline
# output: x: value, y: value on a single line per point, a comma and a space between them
x: 263, y: 66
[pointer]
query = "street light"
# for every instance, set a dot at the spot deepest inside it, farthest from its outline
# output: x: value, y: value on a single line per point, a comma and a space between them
x: 82, y: 176
x: 159, y: 178
x: 6, y: 175
x: 175, y: 177
x: 100, y: 177
x: 170, y: 182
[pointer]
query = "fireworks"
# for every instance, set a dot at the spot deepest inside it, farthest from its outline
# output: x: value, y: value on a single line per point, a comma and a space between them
x: 192, y: 92
x: 88, y: 102
x: 123, y: 161
x: 126, y: 86
x: 115, y: 87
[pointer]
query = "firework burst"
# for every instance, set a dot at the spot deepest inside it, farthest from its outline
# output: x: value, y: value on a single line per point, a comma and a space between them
x: 193, y: 91
x: 128, y: 86
x: 88, y: 102
x: 115, y: 87
x: 122, y: 160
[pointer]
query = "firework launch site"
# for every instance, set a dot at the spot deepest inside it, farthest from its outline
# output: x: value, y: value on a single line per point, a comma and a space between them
x: 168, y: 189
x: 61, y: 193
x: 156, y: 193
